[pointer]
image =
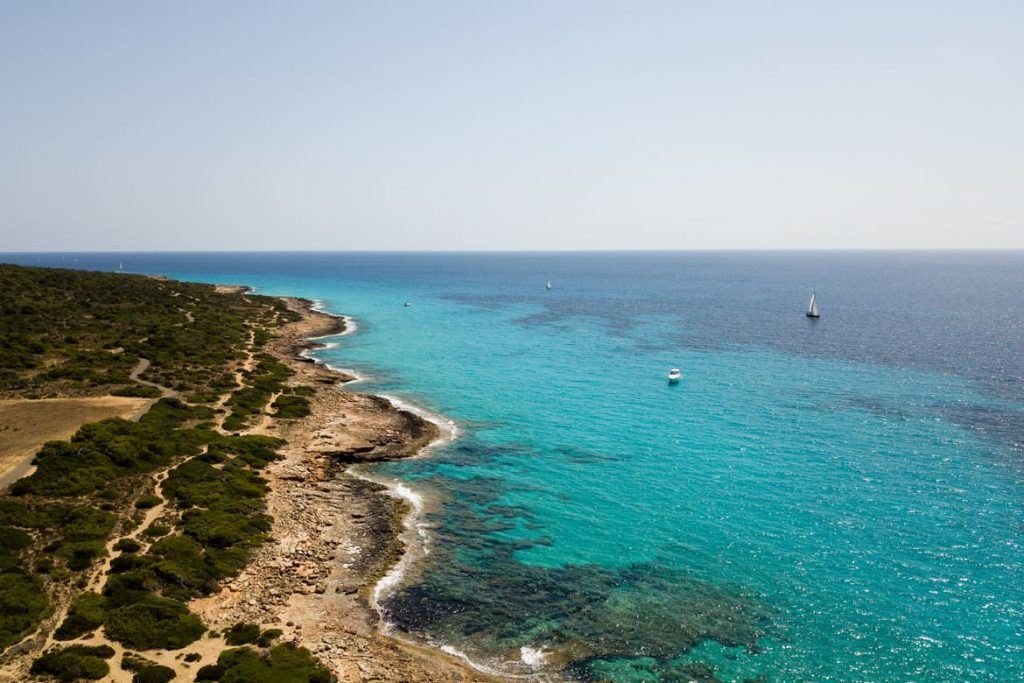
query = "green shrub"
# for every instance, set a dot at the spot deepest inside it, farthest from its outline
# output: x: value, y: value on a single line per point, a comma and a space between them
x: 80, y: 555
x: 148, y: 500
x: 280, y: 663
x: 153, y: 673
x: 23, y: 604
x: 235, y: 423
x: 13, y: 539
x: 84, y: 616
x: 291, y: 407
x: 268, y: 637
x: 137, y: 391
x: 210, y: 672
x: 224, y: 529
x: 145, y: 670
x: 154, y: 622
x: 74, y: 663
x: 156, y: 529
x: 128, y: 545
x: 242, y: 634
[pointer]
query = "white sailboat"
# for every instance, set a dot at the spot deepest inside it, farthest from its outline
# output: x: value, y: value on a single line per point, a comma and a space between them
x: 812, y: 308
x: 548, y: 285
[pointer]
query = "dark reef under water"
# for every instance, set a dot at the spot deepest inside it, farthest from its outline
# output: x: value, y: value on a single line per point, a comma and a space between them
x: 477, y: 595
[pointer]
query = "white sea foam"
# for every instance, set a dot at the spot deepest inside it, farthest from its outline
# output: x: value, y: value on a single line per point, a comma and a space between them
x: 350, y: 327
x: 490, y: 670
x: 320, y: 306
x: 412, y: 525
x: 449, y: 429
x: 532, y: 656
x: 416, y: 535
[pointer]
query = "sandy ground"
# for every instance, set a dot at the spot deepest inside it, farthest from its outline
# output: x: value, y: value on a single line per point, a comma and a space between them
x: 25, y: 425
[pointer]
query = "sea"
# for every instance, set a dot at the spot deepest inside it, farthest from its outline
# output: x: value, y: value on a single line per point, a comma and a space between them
x: 832, y: 499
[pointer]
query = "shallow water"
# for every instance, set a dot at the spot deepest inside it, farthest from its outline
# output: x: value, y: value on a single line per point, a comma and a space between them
x: 840, y: 499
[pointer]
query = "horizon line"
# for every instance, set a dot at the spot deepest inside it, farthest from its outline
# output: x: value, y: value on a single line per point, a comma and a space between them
x: 523, y: 251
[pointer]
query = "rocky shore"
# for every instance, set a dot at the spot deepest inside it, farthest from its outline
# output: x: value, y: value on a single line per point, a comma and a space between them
x: 335, y: 535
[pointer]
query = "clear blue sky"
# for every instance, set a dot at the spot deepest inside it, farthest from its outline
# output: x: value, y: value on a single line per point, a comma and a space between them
x: 511, y: 125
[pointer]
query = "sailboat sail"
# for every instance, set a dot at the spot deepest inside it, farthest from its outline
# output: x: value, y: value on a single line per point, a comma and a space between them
x: 812, y: 309
x: 548, y: 286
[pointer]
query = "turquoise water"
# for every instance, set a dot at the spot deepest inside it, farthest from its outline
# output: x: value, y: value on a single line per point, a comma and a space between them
x: 830, y: 500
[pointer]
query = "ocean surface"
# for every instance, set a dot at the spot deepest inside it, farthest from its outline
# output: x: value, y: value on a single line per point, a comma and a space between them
x: 838, y: 499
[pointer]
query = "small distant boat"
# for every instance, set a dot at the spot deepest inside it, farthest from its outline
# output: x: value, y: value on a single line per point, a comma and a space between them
x: 548, y: 285
x: 674, y: 375
x: 408, y: 304
x: 120, y: 266
x: 812, y: 308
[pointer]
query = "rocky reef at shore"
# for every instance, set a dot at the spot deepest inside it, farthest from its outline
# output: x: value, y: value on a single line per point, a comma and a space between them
x: 334, y: 534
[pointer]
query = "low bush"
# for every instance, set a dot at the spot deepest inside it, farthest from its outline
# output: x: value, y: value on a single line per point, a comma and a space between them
x: 146, y: 671
x: 210, y: 672
x: 128, y: 545
x: 74, y: 663
x: 85, y: 615
x: 280, y: 663
x: 154, y: 622
x: 153, y: 673
x: 242, y: 634
x: 291, y: 407
x: 137, y: 391
x: 148, y: 500
x: 268, y: 637
x: 156, y: 529
x: 23, y: 603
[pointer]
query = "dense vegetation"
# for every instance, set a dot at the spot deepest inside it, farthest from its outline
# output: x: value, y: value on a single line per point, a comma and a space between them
x: 146, y: 671
x: 69, y: 332
x: 23, y: 600
x: 261, y: 384
x: 75, y: 663
x: 77, y: 332
x: 277, y: 664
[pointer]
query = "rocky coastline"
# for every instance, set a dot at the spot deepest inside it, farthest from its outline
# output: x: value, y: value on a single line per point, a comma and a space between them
x: 335, y: 534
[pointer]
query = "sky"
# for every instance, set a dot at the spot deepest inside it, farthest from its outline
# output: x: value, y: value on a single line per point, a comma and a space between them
x: 488, y: 125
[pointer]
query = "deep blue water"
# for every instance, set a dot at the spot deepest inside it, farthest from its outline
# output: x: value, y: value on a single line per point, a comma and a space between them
x: 840, y: 499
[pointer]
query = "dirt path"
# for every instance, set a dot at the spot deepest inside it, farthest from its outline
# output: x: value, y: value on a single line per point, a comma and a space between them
x: 136, y: 376
x: 207, y: 649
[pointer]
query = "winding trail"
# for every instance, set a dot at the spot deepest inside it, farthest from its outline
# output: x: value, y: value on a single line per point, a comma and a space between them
x: 136, y: 376
x: 207, y: 648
